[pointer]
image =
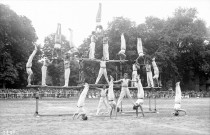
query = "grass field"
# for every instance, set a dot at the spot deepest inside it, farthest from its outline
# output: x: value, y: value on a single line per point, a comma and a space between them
x: 16, y: 118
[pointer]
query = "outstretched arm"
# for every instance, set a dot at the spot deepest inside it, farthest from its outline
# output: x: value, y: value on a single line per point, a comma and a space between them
x: 117, y: 81
x: 132, y: 80
x: 98, y: 88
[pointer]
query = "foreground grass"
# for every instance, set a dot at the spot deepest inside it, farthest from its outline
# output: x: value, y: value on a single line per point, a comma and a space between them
x: 16, y: 117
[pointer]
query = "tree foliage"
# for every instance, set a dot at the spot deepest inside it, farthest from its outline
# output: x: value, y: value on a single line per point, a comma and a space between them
x: 177, y: 43
x: 56, y: 69
x: 17, y: 37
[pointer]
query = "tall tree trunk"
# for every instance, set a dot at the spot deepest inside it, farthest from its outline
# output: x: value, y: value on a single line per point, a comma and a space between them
x: 197, y: 81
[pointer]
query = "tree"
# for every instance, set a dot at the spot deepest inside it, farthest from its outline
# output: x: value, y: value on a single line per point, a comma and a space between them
x: 184, y: 33
x: 177, y: 43
x: 17, y: 37
x: 56, y: 70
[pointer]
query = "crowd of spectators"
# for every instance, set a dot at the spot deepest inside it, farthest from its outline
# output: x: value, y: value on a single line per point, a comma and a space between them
x: 64, y: 93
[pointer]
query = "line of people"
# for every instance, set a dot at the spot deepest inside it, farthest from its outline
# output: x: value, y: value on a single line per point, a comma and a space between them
x: 110, y: 102
x: 107, y: 97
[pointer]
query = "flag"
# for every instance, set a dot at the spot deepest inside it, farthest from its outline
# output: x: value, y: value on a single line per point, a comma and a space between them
x: 98, y: 16
x: 58, y: 34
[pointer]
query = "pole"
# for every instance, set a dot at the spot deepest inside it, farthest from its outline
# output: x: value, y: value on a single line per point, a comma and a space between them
x: 116, y: 73
x: 120, y: 78
x: 37, y: 103
x: 149, y: 100
x: 155, y: 98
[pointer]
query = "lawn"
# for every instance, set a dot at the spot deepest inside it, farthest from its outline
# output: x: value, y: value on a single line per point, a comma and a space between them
x: 16, y: 118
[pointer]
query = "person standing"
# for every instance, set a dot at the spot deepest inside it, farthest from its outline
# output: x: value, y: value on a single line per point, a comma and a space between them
x: 102, y: 71
x: 149, y: 75
x: 46, y: 62
x: 66, y: 69
x: 135, y: 66
x: 124, y: 90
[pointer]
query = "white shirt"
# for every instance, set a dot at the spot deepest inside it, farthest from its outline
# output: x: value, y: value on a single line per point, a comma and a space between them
x: 103, y: 92
x: 125, y: 82
x: 134, y: 67
x: 148, y: 67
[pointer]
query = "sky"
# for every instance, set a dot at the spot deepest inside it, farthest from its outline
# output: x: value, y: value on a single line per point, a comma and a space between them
x: 80, y: 15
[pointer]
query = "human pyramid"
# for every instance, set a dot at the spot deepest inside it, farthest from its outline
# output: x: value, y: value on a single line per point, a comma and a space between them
x: 107, y: 96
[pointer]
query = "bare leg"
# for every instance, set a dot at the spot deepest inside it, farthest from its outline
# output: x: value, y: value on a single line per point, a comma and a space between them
x: 105, y: 75
x: 129, y: 96
x: 106, y: 104
x: 67, y: 74
x: 141, y: 110
x: 110, y: 114
x: 122, y: 94
x: 30, y: 73
x: 99, y: 75
x: 99, y: 105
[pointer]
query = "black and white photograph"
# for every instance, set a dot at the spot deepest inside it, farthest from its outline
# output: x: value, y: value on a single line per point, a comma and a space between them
x: 104, y: 67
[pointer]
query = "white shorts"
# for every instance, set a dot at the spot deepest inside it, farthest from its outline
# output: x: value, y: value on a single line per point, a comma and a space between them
x: 112, y: 103
x: 177, y: 106
x: 29, y: 71
x: 140, y: 101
